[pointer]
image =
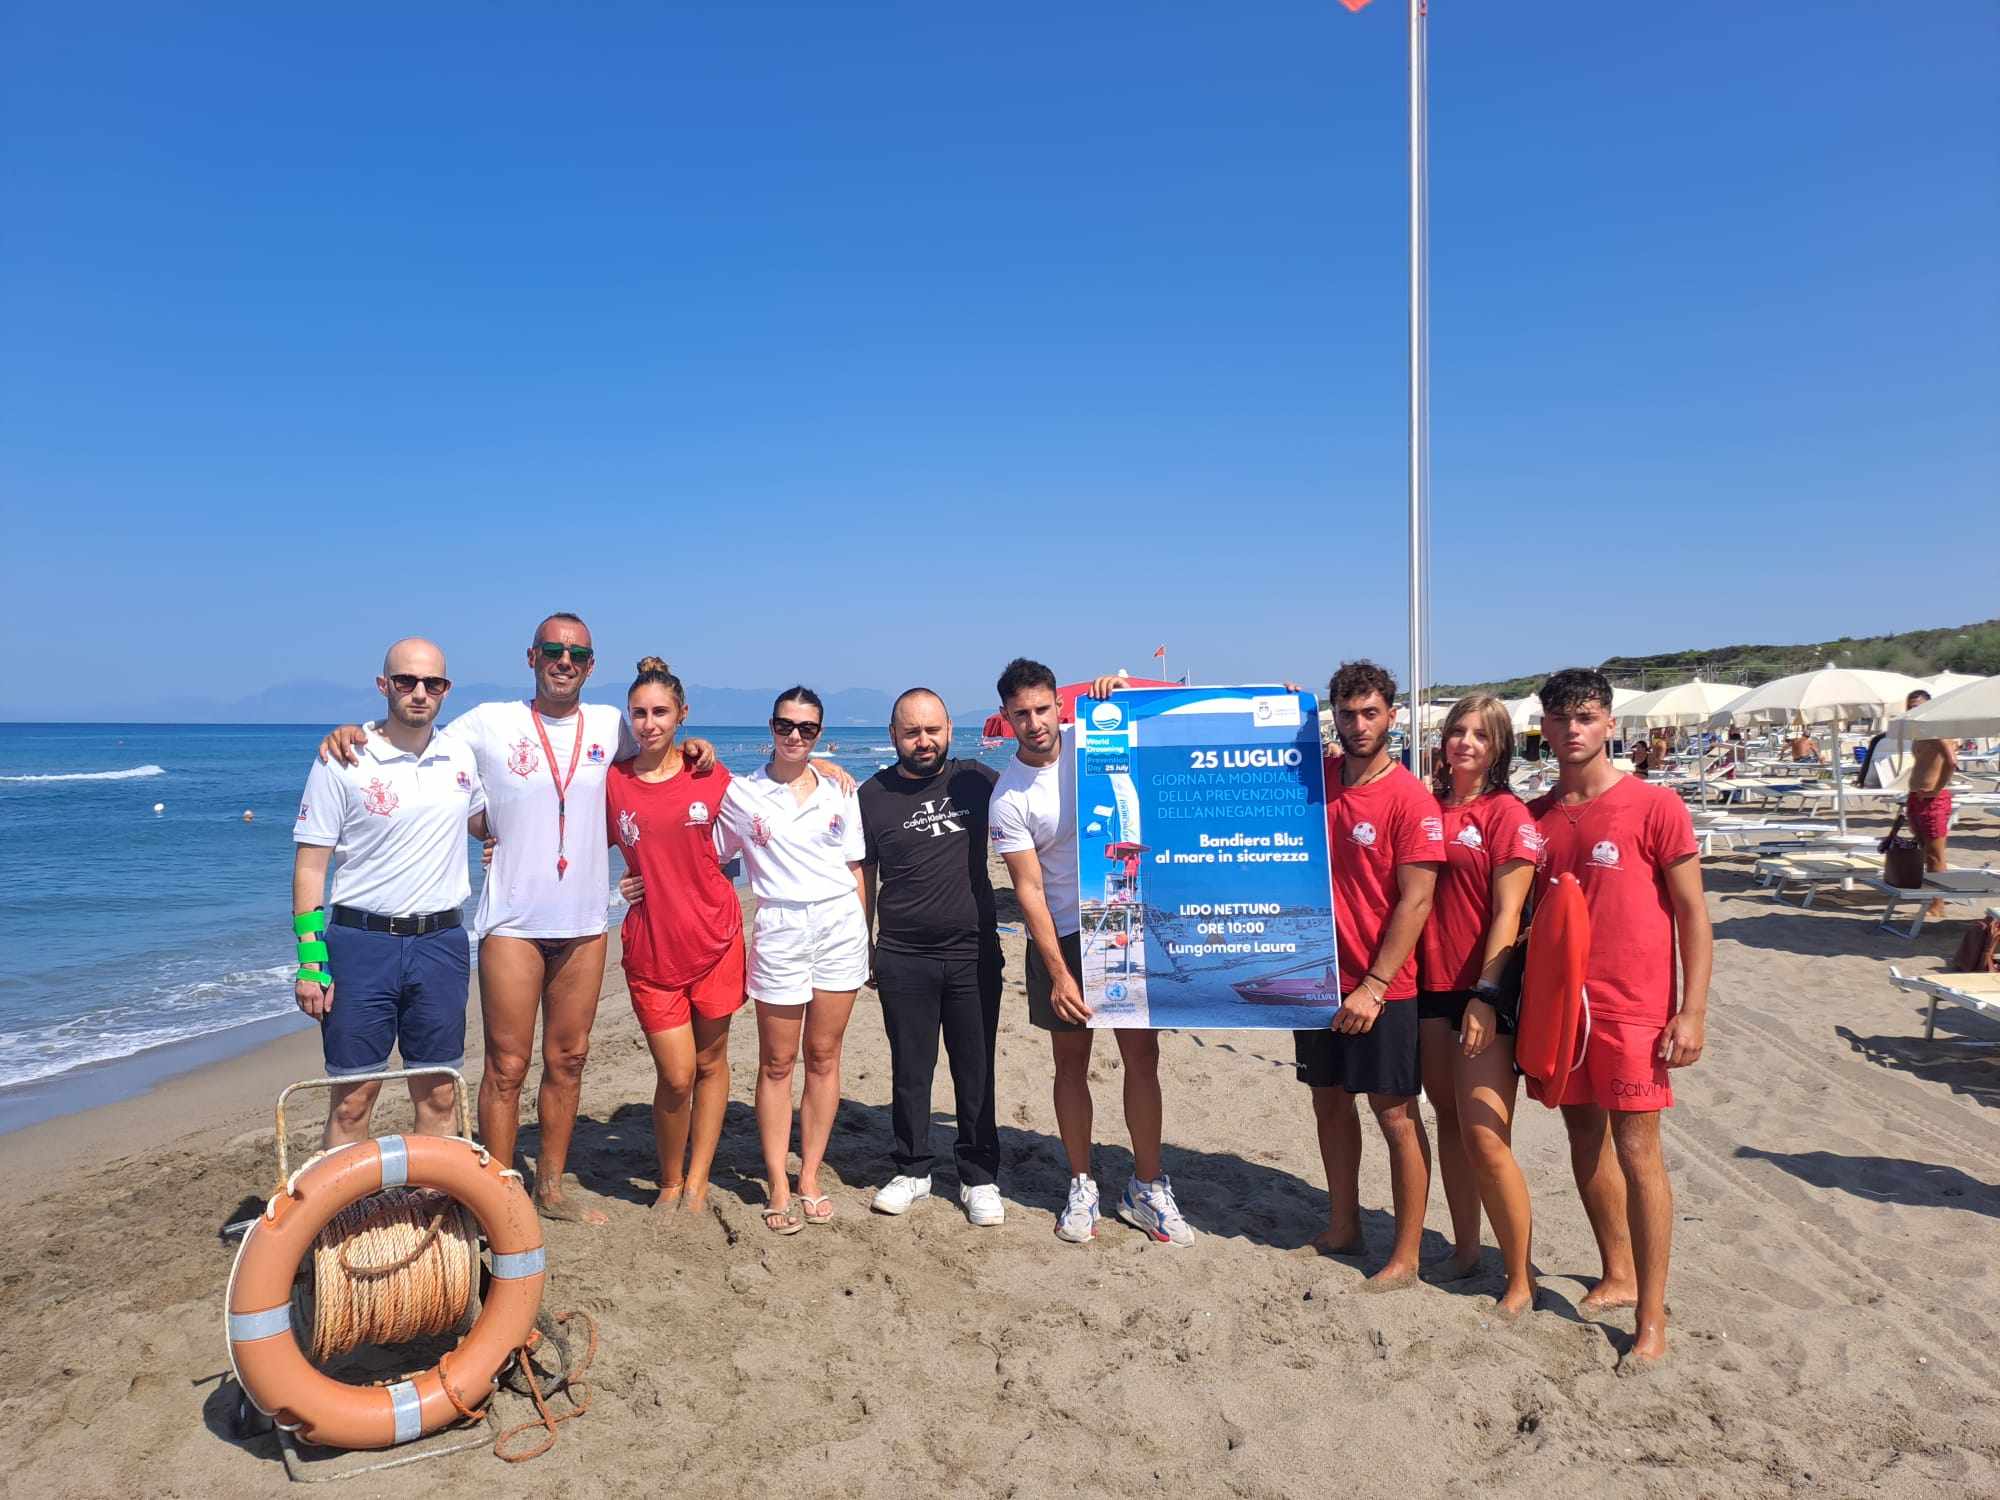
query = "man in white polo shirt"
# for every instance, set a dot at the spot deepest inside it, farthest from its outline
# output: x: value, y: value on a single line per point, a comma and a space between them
x: 388, y: 966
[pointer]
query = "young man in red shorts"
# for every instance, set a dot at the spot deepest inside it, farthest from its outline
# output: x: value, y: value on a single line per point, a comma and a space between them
x: 1631, y: 846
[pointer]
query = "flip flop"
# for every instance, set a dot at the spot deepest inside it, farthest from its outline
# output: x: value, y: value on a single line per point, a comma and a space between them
x: 808, y: 1203
x: 784, y: 1220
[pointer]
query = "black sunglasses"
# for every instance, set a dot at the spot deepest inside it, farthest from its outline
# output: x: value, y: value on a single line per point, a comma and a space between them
x: 553, y: 651
x: 406, y: 682
x: 805, y: 729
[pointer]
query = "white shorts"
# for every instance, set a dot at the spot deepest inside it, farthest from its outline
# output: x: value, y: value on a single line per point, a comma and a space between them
x: 797, y: 947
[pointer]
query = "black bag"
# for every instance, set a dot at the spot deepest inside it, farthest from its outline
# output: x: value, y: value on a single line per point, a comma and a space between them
x: 1902, y: 859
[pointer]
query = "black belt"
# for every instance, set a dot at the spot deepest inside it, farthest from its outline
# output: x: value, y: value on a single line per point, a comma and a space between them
x: 417, y: 926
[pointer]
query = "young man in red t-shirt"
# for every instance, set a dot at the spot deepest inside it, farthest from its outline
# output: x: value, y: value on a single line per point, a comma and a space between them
x: 1385, y: 839
x: 1631, y: 845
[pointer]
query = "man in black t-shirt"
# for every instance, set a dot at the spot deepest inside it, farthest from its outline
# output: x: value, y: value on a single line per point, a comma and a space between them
x: 937, y: 955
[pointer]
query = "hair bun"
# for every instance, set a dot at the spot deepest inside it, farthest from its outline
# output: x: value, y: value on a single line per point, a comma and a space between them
x: 654, y: 664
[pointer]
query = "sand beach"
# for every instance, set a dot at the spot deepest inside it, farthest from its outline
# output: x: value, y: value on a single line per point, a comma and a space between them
x: 1836, y: 1321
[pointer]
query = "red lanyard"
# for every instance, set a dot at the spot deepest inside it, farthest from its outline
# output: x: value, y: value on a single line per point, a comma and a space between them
x: 562, y: 782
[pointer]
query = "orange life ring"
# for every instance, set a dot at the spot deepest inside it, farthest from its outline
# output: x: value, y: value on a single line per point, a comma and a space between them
x: 274, y: 1371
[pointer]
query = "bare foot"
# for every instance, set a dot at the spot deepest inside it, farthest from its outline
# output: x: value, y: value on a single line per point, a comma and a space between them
x: 1458, y: 1267
x: 1646, y: 1354
x: 1391, y: 1278
x: 1327, y: 1243
x: 669, y: 1199
x: 695, y: 1200
x: 1516, y: 1302
x: 1609, y: 1296
x: 566, y: 1212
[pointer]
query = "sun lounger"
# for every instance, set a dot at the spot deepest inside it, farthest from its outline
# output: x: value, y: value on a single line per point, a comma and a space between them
x: 1953, y: 887
x: 1979, y: 991
x: 1811, y: 871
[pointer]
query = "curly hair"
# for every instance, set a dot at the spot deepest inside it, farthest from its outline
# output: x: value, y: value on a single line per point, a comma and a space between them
x: 1572, y: 687
x: 1357, y: 679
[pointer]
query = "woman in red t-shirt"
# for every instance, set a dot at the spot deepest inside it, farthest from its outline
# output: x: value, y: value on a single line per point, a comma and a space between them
x: 682, y: 938
x: 1466, y: 1027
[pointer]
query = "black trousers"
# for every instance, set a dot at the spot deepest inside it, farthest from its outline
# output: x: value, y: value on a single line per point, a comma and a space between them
x: 960, y: 999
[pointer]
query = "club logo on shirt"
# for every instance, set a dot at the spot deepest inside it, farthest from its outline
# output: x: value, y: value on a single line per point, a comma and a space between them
x: 1604, y: 854
x: 522, y: 760
x: 1532, y: 841
x: 1470, y: 837
x: 1432, y: 829
x: 379, y: 799
x: 760, y: 833
x: 628, y: 828
x: 935, y: 817
x: 1364, y: 835
x: 697, y: 813
x: 595, y: 755
x: 835, y: 827
x: 464, y: 782
x: 304, y: 809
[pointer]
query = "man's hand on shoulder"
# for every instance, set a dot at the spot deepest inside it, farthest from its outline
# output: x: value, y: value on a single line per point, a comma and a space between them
x: 344, y: 744
x: 698, y: 754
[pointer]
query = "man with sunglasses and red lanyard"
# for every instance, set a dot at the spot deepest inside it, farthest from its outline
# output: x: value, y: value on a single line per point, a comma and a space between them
x: 387, y: 968
x: 543, y: 908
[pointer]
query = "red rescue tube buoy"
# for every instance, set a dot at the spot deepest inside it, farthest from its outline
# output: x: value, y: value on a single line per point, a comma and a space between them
x: 271, y: 1366
x: 1554, y: 1023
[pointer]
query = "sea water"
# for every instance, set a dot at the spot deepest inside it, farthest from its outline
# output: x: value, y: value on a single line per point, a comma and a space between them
x: 123, y: 929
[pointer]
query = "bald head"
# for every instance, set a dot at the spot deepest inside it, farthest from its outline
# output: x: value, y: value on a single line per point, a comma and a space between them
x: 920, y: 728
x: 416, y: 656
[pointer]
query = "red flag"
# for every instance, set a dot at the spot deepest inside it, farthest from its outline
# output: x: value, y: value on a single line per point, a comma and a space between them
x: 1354, y: 4
x: 1163, y: 650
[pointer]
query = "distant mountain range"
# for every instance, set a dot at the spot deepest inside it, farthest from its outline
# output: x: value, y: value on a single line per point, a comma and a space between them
x: 309, y: 700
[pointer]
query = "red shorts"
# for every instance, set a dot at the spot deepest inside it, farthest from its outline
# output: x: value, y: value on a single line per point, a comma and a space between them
x: 1929, y: 814
x: 1621, y: 1069
x: 718, y: 993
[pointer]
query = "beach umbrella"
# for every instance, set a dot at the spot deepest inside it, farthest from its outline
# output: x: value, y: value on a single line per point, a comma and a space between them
x: 1949, y: 682
x: 1970, y: 711
x: 997, y: 726
x: 1526, y: 713
x: 1682, y: 706
x: 1834, y: 696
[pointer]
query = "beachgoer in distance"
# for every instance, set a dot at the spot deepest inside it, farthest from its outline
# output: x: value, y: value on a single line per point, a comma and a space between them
x: 682, y: 940
x: 1032, y: 821
x: 1467, y: 1045
x: 1928, y: 806
x: 800, y: 837
x: 393, y: 948
x: 1632, y: 848
x: 1385, y: 840
x: 1802, y: 748
x: 936, y: 956
x: 543, y: 906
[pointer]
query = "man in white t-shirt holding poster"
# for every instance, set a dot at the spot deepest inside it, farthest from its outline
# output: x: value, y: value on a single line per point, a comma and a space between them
x: 1032, y: 825
x: 542, y: 911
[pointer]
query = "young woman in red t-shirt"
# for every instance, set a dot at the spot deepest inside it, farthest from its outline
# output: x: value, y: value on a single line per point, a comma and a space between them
x: 683, y: 936
x: 1466, y: 1028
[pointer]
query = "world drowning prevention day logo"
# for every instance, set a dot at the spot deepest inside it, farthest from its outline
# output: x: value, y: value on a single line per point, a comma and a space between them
x: 1107, y: 716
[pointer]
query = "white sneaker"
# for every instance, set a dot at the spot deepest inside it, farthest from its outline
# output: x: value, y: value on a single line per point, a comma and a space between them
x: 899, y: 1193
x: 1078, y: 1223
x: 1149, y: 1207
x: 982, y: 1204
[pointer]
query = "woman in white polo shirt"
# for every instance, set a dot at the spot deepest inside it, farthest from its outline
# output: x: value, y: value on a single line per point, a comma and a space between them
x: 800, y: 838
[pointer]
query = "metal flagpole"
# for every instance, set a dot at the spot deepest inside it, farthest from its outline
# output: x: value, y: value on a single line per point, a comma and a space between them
x: 1419, y: 376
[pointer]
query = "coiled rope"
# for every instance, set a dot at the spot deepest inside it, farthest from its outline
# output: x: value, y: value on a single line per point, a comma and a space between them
x: 399, y: 1265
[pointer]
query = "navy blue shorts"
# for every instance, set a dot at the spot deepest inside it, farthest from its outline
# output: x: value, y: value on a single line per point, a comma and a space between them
x: 396, y: 992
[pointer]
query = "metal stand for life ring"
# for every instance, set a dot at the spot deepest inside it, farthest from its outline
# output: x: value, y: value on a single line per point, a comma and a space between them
x: 248, y: 1422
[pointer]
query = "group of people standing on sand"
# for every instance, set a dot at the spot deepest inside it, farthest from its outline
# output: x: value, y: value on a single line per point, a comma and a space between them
x: 887, y: 883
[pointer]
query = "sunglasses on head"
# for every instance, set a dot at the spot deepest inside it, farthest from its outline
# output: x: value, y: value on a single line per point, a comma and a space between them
x: 553, y: 651
x: 406, y: 682
x: 805, y: 729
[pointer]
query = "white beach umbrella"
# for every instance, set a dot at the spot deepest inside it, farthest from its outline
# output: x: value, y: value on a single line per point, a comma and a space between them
x: 1834, y: 696
x: 1966, y: 712
x: 1524, y: 713
x: 1682, y: 706
x: 1949, y: 682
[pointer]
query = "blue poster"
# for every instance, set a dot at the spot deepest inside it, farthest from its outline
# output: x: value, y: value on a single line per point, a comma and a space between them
x: 1202, y: 860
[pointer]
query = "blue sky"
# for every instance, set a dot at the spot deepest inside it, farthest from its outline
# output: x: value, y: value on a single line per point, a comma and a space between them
x: 868, y: 343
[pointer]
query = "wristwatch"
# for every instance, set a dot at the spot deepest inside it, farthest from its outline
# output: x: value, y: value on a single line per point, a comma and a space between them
x: 1486, y: 990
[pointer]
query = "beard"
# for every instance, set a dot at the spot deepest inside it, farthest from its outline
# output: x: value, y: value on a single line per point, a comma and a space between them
x: 912, y: 766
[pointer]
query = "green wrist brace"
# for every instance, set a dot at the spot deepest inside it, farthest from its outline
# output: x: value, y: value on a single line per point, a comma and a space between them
x: 312, y: 953
x: 315, y: 976
x: 307, y: 922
